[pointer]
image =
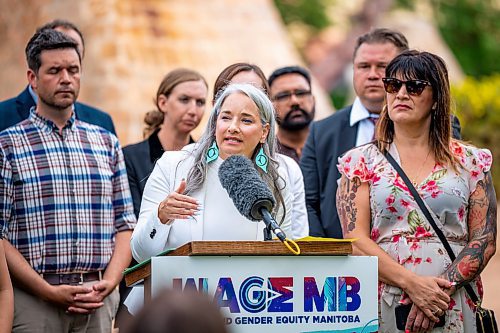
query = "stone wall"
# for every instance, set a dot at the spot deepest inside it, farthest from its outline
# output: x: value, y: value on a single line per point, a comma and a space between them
x: 132, y: 44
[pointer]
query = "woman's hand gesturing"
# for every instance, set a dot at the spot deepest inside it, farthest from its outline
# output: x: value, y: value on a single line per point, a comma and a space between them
x: 177, y: 206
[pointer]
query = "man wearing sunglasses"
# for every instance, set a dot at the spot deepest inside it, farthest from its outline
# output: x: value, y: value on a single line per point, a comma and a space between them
x: 290, y: 90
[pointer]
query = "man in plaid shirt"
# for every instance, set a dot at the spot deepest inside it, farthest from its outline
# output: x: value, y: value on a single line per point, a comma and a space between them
x: 65, y: 206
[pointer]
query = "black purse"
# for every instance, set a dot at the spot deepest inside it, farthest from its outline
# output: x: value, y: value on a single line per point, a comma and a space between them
x: 485, y: 319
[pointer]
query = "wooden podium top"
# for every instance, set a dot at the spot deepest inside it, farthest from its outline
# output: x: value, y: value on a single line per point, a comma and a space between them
x: 242, y: 248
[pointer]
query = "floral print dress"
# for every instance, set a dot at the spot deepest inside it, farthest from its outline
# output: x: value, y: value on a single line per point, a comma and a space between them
x: 400, y: 228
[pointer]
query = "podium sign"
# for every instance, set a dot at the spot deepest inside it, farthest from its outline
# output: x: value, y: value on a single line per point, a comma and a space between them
x: 280, y: 294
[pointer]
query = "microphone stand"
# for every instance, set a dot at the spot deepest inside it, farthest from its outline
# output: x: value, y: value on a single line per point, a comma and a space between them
x: 267, y: 233
x: 271, y: 225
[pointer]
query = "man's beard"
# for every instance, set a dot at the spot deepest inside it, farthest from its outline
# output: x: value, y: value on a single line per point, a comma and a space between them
x: 290, y: 124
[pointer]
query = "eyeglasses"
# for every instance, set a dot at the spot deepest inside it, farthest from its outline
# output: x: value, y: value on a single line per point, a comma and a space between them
x: 286, y: 95
x: 413, y: 87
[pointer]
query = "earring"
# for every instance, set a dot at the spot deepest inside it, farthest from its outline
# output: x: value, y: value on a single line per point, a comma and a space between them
x: 212, y: 152
x: 261, y: 159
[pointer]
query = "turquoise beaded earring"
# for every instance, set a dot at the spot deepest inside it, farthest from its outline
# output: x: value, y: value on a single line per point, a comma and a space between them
x: 261, y: 159
x: 212, y: 153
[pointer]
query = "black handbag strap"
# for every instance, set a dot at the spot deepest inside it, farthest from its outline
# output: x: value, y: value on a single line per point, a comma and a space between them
x: 429, y: 217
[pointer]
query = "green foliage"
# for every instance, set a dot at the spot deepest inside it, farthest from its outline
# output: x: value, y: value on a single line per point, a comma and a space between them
x: 478, y: 108
x: 339, y: 95
x: 312, y: 13
x: 406, y: 4
x: 471, y: 28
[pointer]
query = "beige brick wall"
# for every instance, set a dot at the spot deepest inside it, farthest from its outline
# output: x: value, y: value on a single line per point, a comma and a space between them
x: 132, y: 44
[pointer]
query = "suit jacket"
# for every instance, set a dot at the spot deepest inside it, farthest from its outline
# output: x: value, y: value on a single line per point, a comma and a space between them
x: 15, y: 110
x: 139, y: 163
x: 328, y: 139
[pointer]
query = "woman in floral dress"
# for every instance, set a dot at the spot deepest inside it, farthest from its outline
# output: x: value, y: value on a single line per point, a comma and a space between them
x: 453, y: 179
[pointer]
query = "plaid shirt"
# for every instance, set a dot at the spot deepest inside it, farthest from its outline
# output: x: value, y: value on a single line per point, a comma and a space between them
x: 63, y: 196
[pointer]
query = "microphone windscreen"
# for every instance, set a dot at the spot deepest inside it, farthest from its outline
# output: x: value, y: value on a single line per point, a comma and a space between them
x: 242, y: 182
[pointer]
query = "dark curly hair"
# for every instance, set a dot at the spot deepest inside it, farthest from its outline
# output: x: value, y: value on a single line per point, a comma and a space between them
x: 47, y: 39
x: 67, y: 25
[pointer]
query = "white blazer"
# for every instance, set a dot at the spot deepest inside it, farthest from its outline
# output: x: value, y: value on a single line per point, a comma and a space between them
x: 168, y: 172
x: 300, y: 222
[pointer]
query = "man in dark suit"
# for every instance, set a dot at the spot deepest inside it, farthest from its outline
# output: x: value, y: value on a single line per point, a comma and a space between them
x: 14, y: 110
x: 348, y: 128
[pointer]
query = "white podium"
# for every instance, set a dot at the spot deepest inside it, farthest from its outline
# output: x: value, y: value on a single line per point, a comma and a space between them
x: 271, y: 290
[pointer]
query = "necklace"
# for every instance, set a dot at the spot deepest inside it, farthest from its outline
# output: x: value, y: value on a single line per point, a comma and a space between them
x: 414, y: 179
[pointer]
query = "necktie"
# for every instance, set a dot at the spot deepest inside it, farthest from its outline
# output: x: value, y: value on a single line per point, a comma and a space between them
x: 373, y: 118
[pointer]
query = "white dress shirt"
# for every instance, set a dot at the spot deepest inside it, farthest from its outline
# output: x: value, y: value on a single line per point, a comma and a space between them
x: 366, y: 127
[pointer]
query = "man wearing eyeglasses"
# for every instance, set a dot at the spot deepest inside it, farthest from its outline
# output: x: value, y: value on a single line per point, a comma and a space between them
x: 290, y: 90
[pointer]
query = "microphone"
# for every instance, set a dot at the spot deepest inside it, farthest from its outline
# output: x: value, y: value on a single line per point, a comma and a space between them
x: 250, y: 195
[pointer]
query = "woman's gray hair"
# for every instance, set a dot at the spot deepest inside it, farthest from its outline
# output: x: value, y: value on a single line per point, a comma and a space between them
x: 198, y: 172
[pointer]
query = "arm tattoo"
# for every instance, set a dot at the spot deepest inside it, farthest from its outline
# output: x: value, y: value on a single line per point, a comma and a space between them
x: 346, y: 196
x: 482, y: 223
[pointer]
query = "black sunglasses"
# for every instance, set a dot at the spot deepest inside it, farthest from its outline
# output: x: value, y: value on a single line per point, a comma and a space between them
x: 413, y: 87
x: 286, y: 95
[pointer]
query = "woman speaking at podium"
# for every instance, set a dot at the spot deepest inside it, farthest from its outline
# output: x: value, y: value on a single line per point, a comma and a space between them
x: 184, y: 200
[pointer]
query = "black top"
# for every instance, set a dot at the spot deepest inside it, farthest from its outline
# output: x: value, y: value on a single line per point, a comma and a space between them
x: 288, y: 151
x: 140, y: 159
